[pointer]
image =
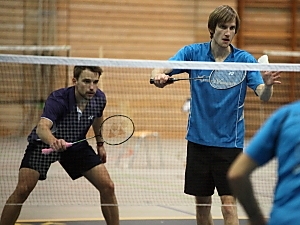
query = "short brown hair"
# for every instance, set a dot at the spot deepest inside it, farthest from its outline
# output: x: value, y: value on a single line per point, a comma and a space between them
x: 221, y: 15
x: 78, y: 70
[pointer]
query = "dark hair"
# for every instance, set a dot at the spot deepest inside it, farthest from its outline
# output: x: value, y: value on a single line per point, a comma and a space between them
x: 221, y: 15
x: 78, y: 70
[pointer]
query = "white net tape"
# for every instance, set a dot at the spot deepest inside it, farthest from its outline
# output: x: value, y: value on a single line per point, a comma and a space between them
x: 126, y: 63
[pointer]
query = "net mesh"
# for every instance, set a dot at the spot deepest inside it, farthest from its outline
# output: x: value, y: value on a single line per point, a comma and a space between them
x: 149, y: 168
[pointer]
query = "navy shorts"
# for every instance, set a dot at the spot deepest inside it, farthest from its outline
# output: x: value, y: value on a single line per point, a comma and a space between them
x: 206, y: 169
x: 75, y: 160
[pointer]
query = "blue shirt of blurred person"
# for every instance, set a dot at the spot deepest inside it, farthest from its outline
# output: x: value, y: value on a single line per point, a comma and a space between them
x: 280, y: 138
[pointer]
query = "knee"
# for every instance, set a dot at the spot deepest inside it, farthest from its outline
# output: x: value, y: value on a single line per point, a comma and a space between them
x: 229, y: 206
x: 22, y: 192
x: 109, y: 188
x: 229, y: 209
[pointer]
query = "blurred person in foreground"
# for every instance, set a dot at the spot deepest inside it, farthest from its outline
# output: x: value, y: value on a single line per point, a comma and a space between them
x: 278, y: 138
x: 215, y: 131
x: 67, y: 117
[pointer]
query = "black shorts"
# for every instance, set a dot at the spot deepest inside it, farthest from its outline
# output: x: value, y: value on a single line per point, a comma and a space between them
x: 206, y: 169
x: 75, y: 160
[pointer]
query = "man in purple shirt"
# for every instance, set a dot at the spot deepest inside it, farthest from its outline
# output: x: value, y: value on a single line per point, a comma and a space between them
x: 68, y: 114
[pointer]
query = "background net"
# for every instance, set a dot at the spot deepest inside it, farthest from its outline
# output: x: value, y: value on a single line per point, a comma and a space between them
x: 149, y: 168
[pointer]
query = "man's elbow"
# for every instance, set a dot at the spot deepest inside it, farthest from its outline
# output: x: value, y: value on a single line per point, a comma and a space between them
x: 236, y: 180
x: 234, y: 176
x: 237, y: 173
x: 40, y: 128
x: 43, y: 125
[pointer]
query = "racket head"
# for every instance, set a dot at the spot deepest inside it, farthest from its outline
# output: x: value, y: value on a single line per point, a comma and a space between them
x: 117, y: 129
x: 225, y: 79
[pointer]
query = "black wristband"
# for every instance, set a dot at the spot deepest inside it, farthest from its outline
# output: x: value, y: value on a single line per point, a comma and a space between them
x: 100, y: 143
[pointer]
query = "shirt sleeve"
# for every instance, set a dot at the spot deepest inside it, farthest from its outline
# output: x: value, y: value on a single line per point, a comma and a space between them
x: 254, y: 78
x: 100, y: 101
x: 53, y: 109
x: 184, y: 54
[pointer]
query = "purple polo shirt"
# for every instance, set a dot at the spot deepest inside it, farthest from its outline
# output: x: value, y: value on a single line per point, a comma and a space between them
x: 68, y: 123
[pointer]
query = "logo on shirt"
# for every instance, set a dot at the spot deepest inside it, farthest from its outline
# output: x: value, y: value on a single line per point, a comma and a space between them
x: 90, y: 117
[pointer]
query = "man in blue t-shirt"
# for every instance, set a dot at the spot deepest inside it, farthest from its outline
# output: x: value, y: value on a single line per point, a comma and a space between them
x: 67, y: 116
x: 279, y: 137
x: 215, y: 131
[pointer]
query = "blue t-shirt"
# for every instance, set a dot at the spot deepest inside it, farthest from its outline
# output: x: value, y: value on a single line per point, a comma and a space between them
x: 216, y: 116
x: 68, y: 123
x: 280, y: 138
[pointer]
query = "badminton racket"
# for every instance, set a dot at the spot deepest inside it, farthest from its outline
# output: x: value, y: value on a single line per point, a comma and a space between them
x: 114, y: 130
x: 218, y: 79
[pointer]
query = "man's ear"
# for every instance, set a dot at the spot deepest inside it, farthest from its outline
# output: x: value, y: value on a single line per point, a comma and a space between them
x: 74, y: 80
x: 211, y: 32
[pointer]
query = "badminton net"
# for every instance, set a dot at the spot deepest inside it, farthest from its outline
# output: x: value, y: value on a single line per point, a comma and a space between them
x: 149, y: 168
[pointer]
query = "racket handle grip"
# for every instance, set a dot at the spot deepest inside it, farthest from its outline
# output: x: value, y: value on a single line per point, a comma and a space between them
x: 47, y: 151
x: 169, y: 81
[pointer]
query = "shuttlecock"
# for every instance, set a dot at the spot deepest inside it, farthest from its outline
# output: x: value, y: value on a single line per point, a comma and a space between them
x: 263, y: 59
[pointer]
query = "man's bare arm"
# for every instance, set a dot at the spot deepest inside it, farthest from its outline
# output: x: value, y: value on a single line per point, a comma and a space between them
x: 265, y: 91
x: 240, y: 183
x: 43, y: 130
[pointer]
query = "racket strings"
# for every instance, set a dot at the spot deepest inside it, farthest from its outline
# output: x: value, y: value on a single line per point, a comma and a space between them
x: 117, y: 130
x: 224, y: 79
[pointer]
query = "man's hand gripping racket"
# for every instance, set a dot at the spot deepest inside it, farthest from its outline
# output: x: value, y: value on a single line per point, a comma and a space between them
x: 114, y: 130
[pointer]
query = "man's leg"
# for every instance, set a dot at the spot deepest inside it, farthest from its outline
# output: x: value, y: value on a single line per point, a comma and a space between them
x: 223, y: 159
x: 28, y: 179
x: 203, y: 210
x: 229, y: 210
x: 100, y: 178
